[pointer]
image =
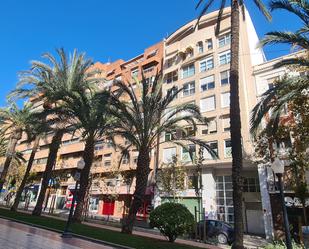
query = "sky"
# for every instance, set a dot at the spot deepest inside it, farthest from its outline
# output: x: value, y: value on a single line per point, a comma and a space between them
x: 106, y: 30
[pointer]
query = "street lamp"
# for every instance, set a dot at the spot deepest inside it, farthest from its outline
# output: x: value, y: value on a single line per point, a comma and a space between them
x: 278, y: 169
x: 80, y: 165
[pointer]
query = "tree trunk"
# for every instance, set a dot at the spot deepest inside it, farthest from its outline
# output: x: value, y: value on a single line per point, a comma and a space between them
x: 24, y: 181
x: 51, y: 160
x: 142, y: 172
x: 84, y: 179
x: 236, y: 127
x: 16, y: 135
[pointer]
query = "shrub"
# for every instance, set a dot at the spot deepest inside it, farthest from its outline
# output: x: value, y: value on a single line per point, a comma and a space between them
x: 172, y: 219
x: 281, y: 245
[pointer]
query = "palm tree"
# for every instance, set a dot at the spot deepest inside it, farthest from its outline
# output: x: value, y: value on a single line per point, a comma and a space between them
x: 13, y: 122
x: 86, y: 112
x: 291, y: 91
x: 37, y: 130
x: 288, y: 88
x: 236, y: 7
x: 47, y: 82
x: 299, y: 39
x: 141, y: 120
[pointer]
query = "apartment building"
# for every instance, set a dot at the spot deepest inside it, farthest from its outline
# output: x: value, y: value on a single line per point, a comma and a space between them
x: 113, y: 181
x: 265, y: 75
x: 198, y: 61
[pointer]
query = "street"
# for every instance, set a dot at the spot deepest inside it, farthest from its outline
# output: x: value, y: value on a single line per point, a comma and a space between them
x: 18, y: 236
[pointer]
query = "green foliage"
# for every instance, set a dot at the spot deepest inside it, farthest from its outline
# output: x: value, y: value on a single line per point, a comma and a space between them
x: 172, y: 219
x: 281, y: 245
x: 172, y: 177
x: 94, y: 232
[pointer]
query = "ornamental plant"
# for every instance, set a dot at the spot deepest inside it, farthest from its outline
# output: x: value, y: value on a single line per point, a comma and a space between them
x: 172, y: 219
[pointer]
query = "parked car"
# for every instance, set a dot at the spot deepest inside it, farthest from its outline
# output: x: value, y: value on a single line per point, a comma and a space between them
x: 221, y: 230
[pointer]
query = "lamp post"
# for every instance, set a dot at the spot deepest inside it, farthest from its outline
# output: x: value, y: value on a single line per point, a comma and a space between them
x: 80, y: 165
x: 278, y: 169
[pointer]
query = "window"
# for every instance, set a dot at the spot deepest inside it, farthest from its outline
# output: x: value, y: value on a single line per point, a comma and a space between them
x: 109, y: 144
x: 206, y: 64
x: 224, y: 198
x: 224, y: 40
x: 98, y: 145
x: 224, y: 58
x: 125, y: 159
x: 225, y: 99
x: 207, y: 83
x: 226, y: 123
x: 251, y: 185
x: 168, y: 154
x: 211, y: 127
x: 148, y: 69
x: 171, y: 77
x: 225, y: 77
x: 71, y: 141
x: 200, y: 47
x: 227, y: 148
x: 189, y: 132
x: 109, y: 155
x: 208, y: 104
x: 189, y: 88
x: 107, y: 163
x: 134, y: 72
x: 174, y: 91
x: 168, y: 136
x: 170, y: 61
x: 214, y: 147
x: 188, y: 71
x: 42, y: 160
x: 185, y: 153
x: 209, y: 44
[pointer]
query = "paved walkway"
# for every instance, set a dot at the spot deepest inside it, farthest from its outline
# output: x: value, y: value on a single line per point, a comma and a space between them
x: 18, y: 236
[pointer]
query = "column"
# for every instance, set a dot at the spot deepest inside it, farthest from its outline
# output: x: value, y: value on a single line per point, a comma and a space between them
x: 209, y: 194
x: 267, y: 212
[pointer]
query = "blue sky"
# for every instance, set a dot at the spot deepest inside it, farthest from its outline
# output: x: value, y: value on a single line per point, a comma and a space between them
x: 105, y: 30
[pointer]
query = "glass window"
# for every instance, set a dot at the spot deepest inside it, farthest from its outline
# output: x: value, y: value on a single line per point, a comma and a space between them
x: 188, y: 71
x: 225, y: 77
x: 168, y: 154
x: 224, y: 40
x: 185, y: 155
x: 224, y: 58
x: 207, y: 83
x: 125, y: 159
x: 134, y: 72
x: 171, y: 77
x: 189, y: 131
x: 189, y: 88
x: 211, y: 127
x: 225, y: 100
x: 200, y: 47
x: 209, y: 44
x: 206, y: 64
x: 251, y: 185
x: 224, y: 189
x: 107, y: 163
x: 208, y: 104
x: 227, y: 148
x: 214, y: 147
x: 226, y: 123
x: 174, y: 91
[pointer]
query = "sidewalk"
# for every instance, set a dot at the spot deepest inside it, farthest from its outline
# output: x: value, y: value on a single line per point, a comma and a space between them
x: 148, y: 234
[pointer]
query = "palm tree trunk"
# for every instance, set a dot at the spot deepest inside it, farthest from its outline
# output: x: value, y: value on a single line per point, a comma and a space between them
x: 84, y: 179
x: 16, y: 135
x: 51, y: 160
x: 142, y: 172
x: 236, y: 127
x: 24, y: 181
